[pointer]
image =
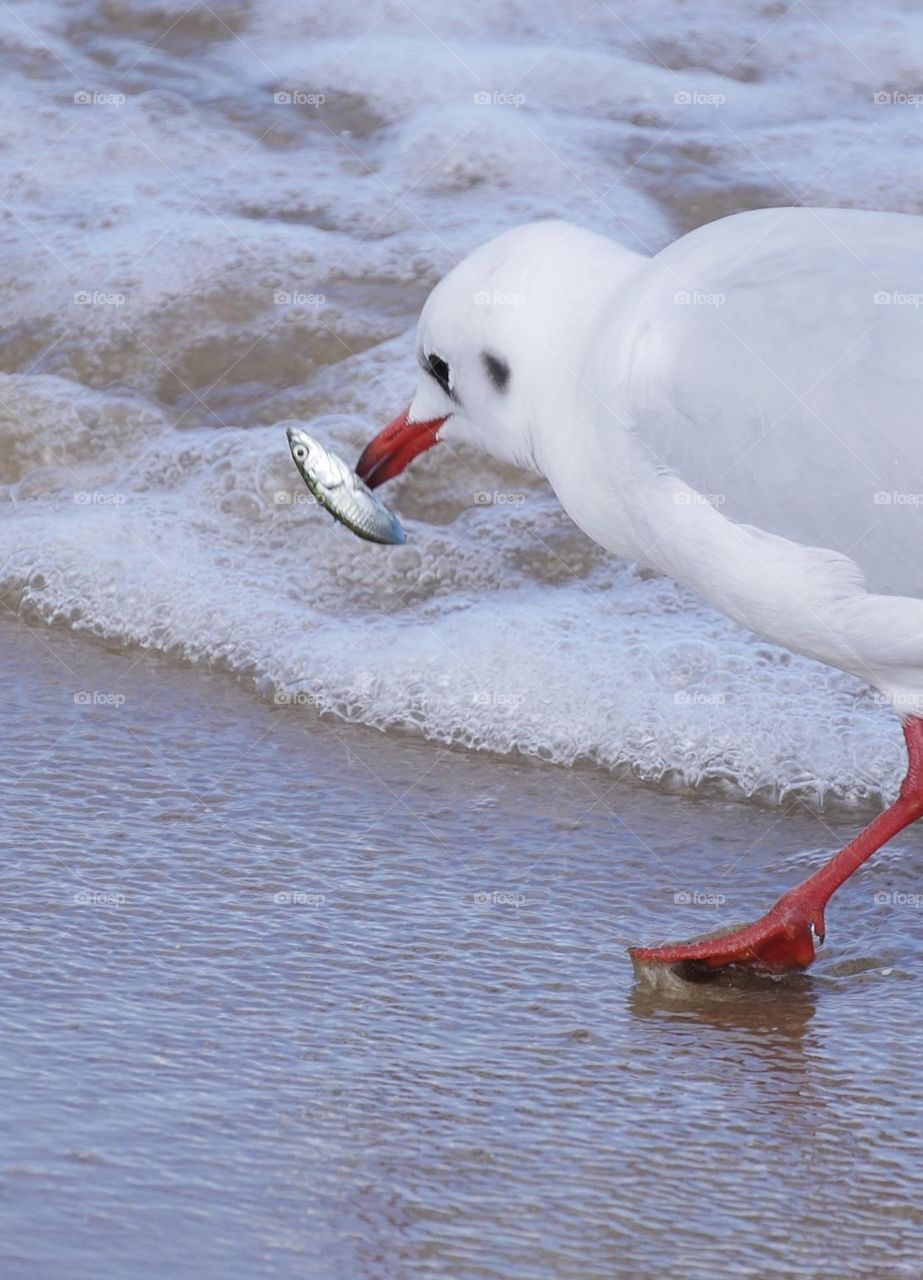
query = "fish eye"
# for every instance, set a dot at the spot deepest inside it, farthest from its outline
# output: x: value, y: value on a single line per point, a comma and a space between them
x: 300, y: 452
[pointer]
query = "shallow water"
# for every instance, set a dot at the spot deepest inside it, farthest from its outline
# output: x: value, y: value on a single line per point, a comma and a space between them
x: 285, y: 997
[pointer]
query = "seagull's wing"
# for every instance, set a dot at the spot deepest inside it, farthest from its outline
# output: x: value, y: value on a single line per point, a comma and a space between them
x: 775, y: 363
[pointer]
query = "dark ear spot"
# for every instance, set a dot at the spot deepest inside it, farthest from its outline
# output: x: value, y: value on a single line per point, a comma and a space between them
x: 497, y: 370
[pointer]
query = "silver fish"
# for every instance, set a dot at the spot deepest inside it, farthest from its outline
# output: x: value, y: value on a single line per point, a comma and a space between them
x: 337, y: 487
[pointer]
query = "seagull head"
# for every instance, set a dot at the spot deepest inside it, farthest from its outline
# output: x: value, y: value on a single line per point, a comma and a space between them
x: 498, y: 344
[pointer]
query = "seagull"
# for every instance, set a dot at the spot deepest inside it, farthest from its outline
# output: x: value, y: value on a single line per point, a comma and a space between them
x: 742, y: 412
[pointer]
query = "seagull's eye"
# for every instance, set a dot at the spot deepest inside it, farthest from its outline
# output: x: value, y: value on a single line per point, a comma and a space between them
x: 439, y: 368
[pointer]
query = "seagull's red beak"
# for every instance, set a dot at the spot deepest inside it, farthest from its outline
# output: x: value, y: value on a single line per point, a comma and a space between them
x: 394, y: 447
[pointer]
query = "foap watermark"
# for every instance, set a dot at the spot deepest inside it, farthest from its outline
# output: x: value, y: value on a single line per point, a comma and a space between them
x: 691, y: 498
x: 896, y: 298
x: 298, y: 898
x: 494, y: 298
x: 893, y: 898
x: 98, y: 498
x: 294, y: 298
x: 698, y: 298
x: 99, y: 898
x: 93, y: 98
x: 909, y: 702
x: 698, y: 898
x: 696, y: 98
x: 897, y: 498
x: 499, y: 898
x: 285, y: 498
x: 693, y: 698
x: 497, y: 698
x: 298, y: 98
x: 485, y: 499
x: 97, y: 298
x: 896, y: 98
x: 298, y: 698
x: 98, y: 698
x: 495, y: 98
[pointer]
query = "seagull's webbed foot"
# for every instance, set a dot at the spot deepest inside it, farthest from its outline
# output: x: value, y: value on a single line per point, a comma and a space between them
x: 781, y: 940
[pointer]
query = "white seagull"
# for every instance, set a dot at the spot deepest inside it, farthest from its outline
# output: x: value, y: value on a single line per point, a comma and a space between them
x: 743, y: 412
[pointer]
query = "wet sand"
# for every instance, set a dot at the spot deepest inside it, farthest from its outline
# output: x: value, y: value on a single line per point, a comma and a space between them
x: 283, y: 997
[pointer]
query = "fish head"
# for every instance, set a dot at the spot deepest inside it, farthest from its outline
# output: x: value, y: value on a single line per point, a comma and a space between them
x: 305, y: 452
x: 313, y: 461
x: 300, y: 444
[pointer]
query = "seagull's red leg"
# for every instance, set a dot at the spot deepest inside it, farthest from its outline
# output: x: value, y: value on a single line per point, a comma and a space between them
x: 784, y: 937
